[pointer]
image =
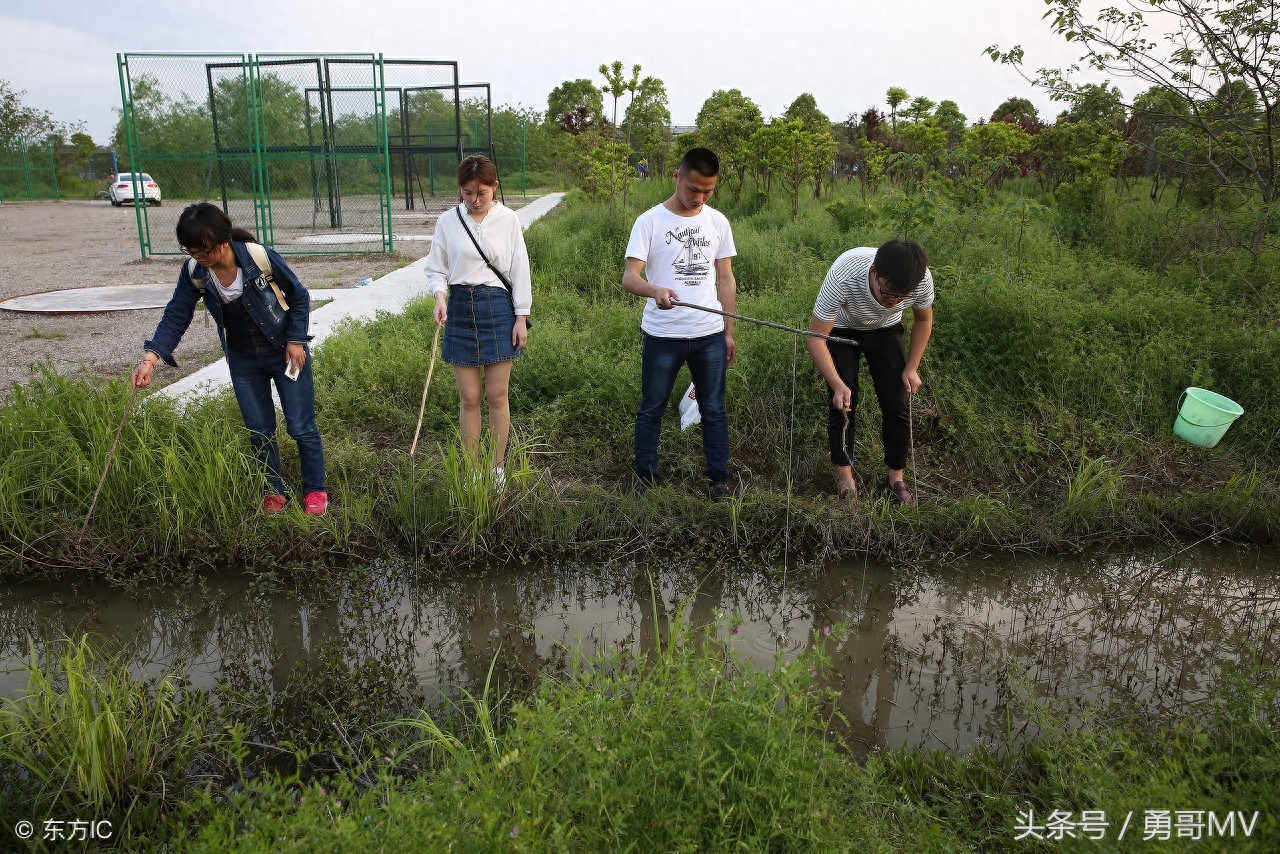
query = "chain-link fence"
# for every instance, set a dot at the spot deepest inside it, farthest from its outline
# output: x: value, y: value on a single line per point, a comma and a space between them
x: 27, y: 169
x: 312, y: 151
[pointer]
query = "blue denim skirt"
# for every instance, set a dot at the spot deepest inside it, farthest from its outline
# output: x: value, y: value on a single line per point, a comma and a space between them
x: 478, y: 330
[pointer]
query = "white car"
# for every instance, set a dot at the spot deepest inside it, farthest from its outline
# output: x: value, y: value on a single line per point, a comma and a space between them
x: 120, y: 190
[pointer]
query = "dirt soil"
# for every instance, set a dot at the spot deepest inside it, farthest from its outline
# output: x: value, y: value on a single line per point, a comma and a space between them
x: 48, y: 246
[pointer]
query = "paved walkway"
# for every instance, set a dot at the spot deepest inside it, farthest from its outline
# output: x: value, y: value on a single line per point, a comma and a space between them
x: 391, y: 293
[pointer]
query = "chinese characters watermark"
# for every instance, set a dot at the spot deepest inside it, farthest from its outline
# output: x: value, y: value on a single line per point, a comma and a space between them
x: 1157, y: 825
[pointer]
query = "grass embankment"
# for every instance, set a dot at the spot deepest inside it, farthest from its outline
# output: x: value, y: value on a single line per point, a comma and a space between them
x: 689, y: 750
x: 1051, y: 383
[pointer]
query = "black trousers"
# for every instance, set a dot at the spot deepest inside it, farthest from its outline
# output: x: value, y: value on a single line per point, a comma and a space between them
x: 886, y: 360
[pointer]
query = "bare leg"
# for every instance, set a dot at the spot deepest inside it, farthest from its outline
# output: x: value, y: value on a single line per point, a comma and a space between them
x: 497, y: 378
x: 844, y: 477
x: 469, y: 394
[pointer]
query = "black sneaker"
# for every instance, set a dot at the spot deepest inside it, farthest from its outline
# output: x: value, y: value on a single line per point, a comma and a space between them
x: 641, y: 485
x: 720, y: 492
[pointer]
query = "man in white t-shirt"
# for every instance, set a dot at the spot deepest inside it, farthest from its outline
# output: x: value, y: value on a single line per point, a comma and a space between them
x: 681, y: 252
x: 862, y: 298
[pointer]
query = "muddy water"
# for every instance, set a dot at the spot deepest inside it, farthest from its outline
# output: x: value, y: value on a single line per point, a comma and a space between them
x: 928, y: 658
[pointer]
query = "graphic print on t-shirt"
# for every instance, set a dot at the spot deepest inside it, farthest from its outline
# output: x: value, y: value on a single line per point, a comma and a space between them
x: 692, y: 263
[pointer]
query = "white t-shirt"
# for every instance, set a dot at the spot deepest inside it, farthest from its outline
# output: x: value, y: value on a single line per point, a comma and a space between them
x: 228, y: 293
x: 679, y: 252
x: 845, y: 296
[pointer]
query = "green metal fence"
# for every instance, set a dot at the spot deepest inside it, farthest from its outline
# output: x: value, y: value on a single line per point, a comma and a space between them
x: 313, y: 150
x: 27, y: 169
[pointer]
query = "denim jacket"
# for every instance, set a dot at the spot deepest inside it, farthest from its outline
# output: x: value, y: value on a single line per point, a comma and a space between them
x: 278, y: 326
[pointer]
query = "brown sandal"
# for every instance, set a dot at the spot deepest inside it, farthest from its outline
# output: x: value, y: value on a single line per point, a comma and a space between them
x: 898, y: 489
x: 847, y: 493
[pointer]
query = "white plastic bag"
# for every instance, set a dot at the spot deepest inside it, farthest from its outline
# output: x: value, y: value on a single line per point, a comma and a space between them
x: 689, y: 414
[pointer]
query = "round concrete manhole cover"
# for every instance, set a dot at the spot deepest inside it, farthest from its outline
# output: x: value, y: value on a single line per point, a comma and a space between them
x: 80, y: 300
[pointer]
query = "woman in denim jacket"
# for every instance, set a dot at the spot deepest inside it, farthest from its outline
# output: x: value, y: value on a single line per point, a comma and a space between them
x: 262, y: 319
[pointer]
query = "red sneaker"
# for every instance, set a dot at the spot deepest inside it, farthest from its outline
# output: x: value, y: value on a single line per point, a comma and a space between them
x: 273, y: 504
x: 315, y: 503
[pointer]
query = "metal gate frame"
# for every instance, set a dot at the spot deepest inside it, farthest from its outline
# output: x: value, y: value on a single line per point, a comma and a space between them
x: 258, y: 150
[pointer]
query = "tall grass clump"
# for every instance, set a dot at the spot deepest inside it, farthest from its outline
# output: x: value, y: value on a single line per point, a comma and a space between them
x: 174, y: 481
x: 84, y: 734
x: 689, y: 749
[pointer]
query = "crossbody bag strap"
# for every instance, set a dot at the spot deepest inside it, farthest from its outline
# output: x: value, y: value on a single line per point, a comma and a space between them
x: 483, y: 256
x: 260, y: 257
x: 193, y: 266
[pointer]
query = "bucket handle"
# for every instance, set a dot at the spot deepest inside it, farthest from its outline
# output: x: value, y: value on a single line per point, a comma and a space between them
x: 1183, y: 397
x: 1186, y: 420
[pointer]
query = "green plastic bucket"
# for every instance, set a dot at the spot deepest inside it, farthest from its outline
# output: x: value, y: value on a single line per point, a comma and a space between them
x: 1203, y: 416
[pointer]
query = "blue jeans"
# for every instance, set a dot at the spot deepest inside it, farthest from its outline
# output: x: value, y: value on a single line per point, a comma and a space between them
x: 253, y: 369
x: 661, y: 362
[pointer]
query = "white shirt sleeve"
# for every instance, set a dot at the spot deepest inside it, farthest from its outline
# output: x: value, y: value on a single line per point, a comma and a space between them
x: 641, y: 235
x: 437, y: 266
x: 518, y: 269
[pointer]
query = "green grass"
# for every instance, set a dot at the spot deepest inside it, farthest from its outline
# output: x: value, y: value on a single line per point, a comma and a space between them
x: 1050, y: 387
x: 84, y: 734
x: 38, y: 334
x: 690, y: 748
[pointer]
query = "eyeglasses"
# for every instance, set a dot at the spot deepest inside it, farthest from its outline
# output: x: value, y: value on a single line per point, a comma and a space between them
x: 200, y: 253
x: 887, y: 297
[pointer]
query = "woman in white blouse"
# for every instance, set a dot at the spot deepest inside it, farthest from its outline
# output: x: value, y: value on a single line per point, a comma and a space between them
x: 478, y: 259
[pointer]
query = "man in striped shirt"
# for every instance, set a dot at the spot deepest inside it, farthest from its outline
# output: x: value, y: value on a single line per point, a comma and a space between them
x: 862, y: 299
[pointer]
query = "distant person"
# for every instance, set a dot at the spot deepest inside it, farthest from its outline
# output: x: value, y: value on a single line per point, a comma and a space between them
x: 490, y: 294
x: 862, y: 298
x: 681, y: 251
x: 641, y: 169
x: 263, y: 334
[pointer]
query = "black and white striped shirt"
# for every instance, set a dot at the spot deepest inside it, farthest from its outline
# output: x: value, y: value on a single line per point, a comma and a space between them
x: 845, y: 296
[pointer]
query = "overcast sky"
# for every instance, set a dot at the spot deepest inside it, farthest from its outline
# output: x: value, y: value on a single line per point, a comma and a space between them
x: 845, y: 52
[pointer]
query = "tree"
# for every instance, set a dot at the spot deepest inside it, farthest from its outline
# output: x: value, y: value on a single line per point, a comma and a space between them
x: 579, y: 97
x: 1016, y: 111
x: 950, y: 121
x: 794, y: 155
x: 648, y: 122
x: 805, y: 108
x: 920, y: 109
x: 894, y: 98
x: 1212, y: 43
x: 993, y: 146
x: 617, y: 85
x: 726, y: 123
x: 1096, y: 102
x: 17, y: 119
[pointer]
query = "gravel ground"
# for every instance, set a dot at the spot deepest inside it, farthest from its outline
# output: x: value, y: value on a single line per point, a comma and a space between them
x: 48, y: 246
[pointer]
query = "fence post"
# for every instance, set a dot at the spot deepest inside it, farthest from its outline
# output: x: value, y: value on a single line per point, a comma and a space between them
x: 388, y: 237
x: 26, y: 166
x: 53, y: 169
x: 130, y: 135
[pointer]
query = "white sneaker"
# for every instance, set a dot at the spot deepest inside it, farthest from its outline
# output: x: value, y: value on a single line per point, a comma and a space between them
x: 499, y: 480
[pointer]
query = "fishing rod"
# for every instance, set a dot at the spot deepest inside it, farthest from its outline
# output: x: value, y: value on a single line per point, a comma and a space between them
x: 838, y: 340
x: 769, y: 323
x: 413, y: 463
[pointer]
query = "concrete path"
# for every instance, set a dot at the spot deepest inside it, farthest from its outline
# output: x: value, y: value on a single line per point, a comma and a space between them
x: 81, y: 300
x: 391, y: 293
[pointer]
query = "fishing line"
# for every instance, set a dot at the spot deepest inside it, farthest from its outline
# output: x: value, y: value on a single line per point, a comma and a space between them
x: 413, y: 464
x: 911, y: 438
x: 769, y: 323
x: 786, y: 541
x: 110, y: 455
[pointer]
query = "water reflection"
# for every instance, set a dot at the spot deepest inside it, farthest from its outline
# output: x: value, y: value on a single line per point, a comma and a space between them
x: 927, y: 659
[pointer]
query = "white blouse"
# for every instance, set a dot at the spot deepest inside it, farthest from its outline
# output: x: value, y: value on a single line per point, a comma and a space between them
x: 455, y: 261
